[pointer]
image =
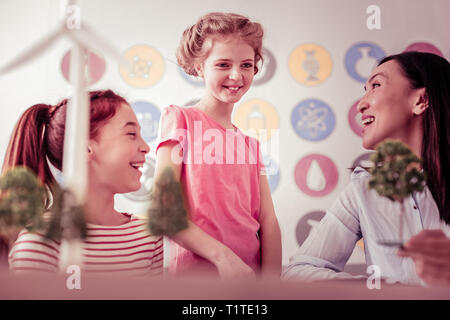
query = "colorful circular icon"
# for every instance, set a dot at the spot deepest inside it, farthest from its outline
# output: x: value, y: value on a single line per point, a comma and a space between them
x: 306, y: 223
x: 354, y: 119
x: 268, y: 68
x: 148, y: 116
x: 257, y: 118
x: 272, y: 172
x: 363, y: 161
x: 310, y: 64
x: 424, y: 47
x: 195, y: 81
x: 313, y: 120
x: 95, y: 64
x: 316, y: 175
x: 361, y: 58
x: 143, y: 194
x: 144, y: 68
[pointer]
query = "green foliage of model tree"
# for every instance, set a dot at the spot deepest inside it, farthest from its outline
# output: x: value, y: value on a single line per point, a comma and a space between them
x: 66, y: 218
x: 22, y: 203
x: 166, y: 213
x: 396, y: 171
x: 396, y: 174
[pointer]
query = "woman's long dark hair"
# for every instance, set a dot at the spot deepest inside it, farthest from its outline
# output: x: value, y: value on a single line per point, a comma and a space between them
x: 432, y: 72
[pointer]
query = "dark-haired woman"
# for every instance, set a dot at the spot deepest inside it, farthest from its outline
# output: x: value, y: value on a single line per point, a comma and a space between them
x: 407, y: 98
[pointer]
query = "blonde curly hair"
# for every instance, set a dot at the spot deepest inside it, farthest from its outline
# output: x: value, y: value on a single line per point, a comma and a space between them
x: 193, y: 50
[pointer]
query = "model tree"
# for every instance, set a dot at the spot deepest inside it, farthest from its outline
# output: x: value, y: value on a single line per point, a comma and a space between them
x: 396, y: 174
x: 167, y: 214
x: 66, y: 217
x: 22, y: 205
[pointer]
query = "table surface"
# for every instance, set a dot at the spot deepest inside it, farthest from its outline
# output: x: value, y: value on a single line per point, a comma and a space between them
x: 198, y: 288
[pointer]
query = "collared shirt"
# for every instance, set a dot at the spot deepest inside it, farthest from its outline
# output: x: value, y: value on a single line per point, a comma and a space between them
x: 360, y: 212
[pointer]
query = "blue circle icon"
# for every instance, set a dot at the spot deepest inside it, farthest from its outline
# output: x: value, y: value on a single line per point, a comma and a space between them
x: 361, y: 58
x: 272, y: 171
x: 148, y: 116
x: 313, y: 120
x: 195, y: 81
x: 268, y: 68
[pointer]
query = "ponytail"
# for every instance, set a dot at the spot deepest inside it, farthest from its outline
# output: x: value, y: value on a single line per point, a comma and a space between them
x: 38, y: 136
x: 27, y: 145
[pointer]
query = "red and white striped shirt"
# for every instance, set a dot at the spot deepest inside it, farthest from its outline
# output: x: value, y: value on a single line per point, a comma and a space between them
x: 127, y: 249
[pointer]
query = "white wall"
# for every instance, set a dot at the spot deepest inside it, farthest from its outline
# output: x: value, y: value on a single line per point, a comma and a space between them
x: 335, y: 25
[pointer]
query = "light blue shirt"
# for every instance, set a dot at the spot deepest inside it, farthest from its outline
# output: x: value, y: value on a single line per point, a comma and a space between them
x: 360, y: 212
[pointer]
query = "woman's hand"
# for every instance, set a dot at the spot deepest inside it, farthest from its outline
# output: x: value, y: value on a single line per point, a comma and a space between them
x: 430, y: 251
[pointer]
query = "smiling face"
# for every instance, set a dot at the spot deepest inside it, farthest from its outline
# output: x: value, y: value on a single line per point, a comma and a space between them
x: 117, y: 153
x: 228, y: 70
x: 389, y: 107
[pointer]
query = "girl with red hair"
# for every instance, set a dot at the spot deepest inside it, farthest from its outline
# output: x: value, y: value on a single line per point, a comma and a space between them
x: 116, y: 242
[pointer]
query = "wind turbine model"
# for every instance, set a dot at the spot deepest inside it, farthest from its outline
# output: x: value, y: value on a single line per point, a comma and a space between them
x: 77, y: 120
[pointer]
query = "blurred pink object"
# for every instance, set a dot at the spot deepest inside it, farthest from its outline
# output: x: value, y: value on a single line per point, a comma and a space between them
x: 424, y: 47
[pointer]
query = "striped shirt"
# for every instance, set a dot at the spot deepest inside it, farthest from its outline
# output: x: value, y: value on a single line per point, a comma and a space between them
x: 127, y: 249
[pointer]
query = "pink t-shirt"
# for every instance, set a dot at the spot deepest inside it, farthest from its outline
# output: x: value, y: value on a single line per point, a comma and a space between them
x: 220, y: 181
